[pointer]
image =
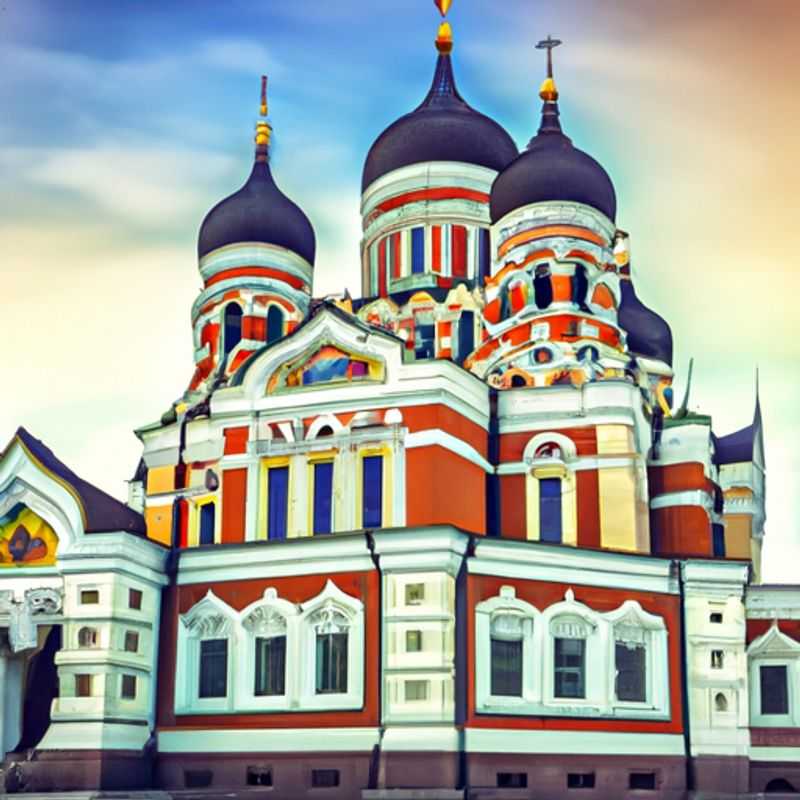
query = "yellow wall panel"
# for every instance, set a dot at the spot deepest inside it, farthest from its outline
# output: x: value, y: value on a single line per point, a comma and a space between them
x: 618, y: 508
x: 161, y: 479
x: 159, y: 522
x: 614, y: 439
x: 737, y: 535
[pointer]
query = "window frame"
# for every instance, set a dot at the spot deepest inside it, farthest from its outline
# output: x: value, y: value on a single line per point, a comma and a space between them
x: 210, y: 618
x: 195, y: 506
x: 507, y: 603
x: 387, y: 485
x: 257, y: 619
x: 774, y: 649
x: 328, y: 456
x: 273, y: 462
x: 333, y: 600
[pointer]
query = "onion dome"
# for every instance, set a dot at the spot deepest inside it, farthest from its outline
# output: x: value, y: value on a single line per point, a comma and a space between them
x: 259, y: 211
x: 649, y: 335
x: 551, y: 168
x: 442, y: 128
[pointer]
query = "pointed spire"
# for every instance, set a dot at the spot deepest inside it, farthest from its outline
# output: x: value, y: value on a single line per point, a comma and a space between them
x: 263, y: 128
x: 684, y: 409
x: 548, y: 90
x: 443, y: 91
x: 757, y: 412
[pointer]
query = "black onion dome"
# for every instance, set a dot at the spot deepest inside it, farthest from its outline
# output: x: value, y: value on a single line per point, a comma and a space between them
x: 442, y: 128
x: 551, y: 168
x: 258, y: 212
x: 649, y: 335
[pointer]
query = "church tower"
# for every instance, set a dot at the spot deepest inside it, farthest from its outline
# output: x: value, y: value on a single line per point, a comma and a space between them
x: 256, y: 250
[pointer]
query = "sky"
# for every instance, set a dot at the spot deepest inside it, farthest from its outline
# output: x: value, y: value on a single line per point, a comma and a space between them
x: 122, y: 123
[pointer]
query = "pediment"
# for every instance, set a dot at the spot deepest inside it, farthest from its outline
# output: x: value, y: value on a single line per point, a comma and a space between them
x: 774, y: 644
x: 333, y: 349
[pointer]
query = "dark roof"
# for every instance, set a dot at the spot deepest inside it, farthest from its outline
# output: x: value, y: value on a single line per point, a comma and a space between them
x: 101, y: 511
x: 552, y: 169
x: 442, y: 128
x: 736, y: 446
x: 649, y: 334
x: 258, y: 212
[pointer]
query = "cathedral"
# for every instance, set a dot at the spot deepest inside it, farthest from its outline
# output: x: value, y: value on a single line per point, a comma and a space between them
x: 453, y: 538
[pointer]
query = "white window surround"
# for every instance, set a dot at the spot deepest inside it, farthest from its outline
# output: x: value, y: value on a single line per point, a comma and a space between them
x: 774, y: 649
x: 332, y: 609
x: 487, y: 615
x: 572, y: 619
x: 212, y: 618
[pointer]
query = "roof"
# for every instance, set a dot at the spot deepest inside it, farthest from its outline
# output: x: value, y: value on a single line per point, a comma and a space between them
x: 258, y: 212
x: 101, y: 512
x: 442, y: 128
x: 736, y: 446
x: 649, y: 334
x: 552, y: 169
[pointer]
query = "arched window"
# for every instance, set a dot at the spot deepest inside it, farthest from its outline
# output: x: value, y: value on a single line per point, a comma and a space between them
x: 87, y: 637
x: 207, y: 523
x: 778, y: 785
x: 233, y: 327
x: 274, y: 324
x: 551, y: 489
x: 543, y: 286
x: 580, y: 286
x: 720, y: 702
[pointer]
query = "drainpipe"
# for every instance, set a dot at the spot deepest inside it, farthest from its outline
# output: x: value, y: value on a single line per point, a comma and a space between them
x: 687, y: 734
x: 377, y: 778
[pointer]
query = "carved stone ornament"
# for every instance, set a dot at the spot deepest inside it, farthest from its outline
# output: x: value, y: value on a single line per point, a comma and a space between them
x: 265, y: 621
x: 507, y: 627
x: 211, y: 625
x: 329, y: 619
x: 21, y: 625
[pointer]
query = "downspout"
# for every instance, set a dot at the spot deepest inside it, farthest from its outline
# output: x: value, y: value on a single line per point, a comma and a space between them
x: 687, y: 734
x: 376, y: 778
x: 493, y: 511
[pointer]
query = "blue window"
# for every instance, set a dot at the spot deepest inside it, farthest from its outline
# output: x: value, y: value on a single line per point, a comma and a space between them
x: 550, y: 509
x: 484, y: 263
x: 466, y: 335
x: 274, y: 324
x: 233, y: 326
x: 372, y: 511
x: 213, y: 678
x: 278, y: 480
x: 323, y: 494
x: 718, y: 539
x: 207, y: 518
x: 417, y: 250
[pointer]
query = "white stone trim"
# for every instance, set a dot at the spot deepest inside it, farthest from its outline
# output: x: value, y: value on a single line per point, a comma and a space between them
x: 255, y: 254
x: 421, y: 738
x: 538, y: 661
x: 774, y: 648
x: 269, y: 740
x: 91, y: 734
x: 491, y: 740
x: 691, y: 497
x: 790, y: 754
x: 304, y: 556
x: 546, y: 562
x: 212, y: 618
x: 440, y: 438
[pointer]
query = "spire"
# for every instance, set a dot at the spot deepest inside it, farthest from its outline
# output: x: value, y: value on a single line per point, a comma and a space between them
x: 443, y: 91
x: 548, y: 91
x: 263, y: 128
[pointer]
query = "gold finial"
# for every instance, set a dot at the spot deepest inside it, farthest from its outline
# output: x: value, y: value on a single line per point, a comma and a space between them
x: 263, y: 128
x: 444, y: 38
x: 443, y: 6
x: 548, y: 90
